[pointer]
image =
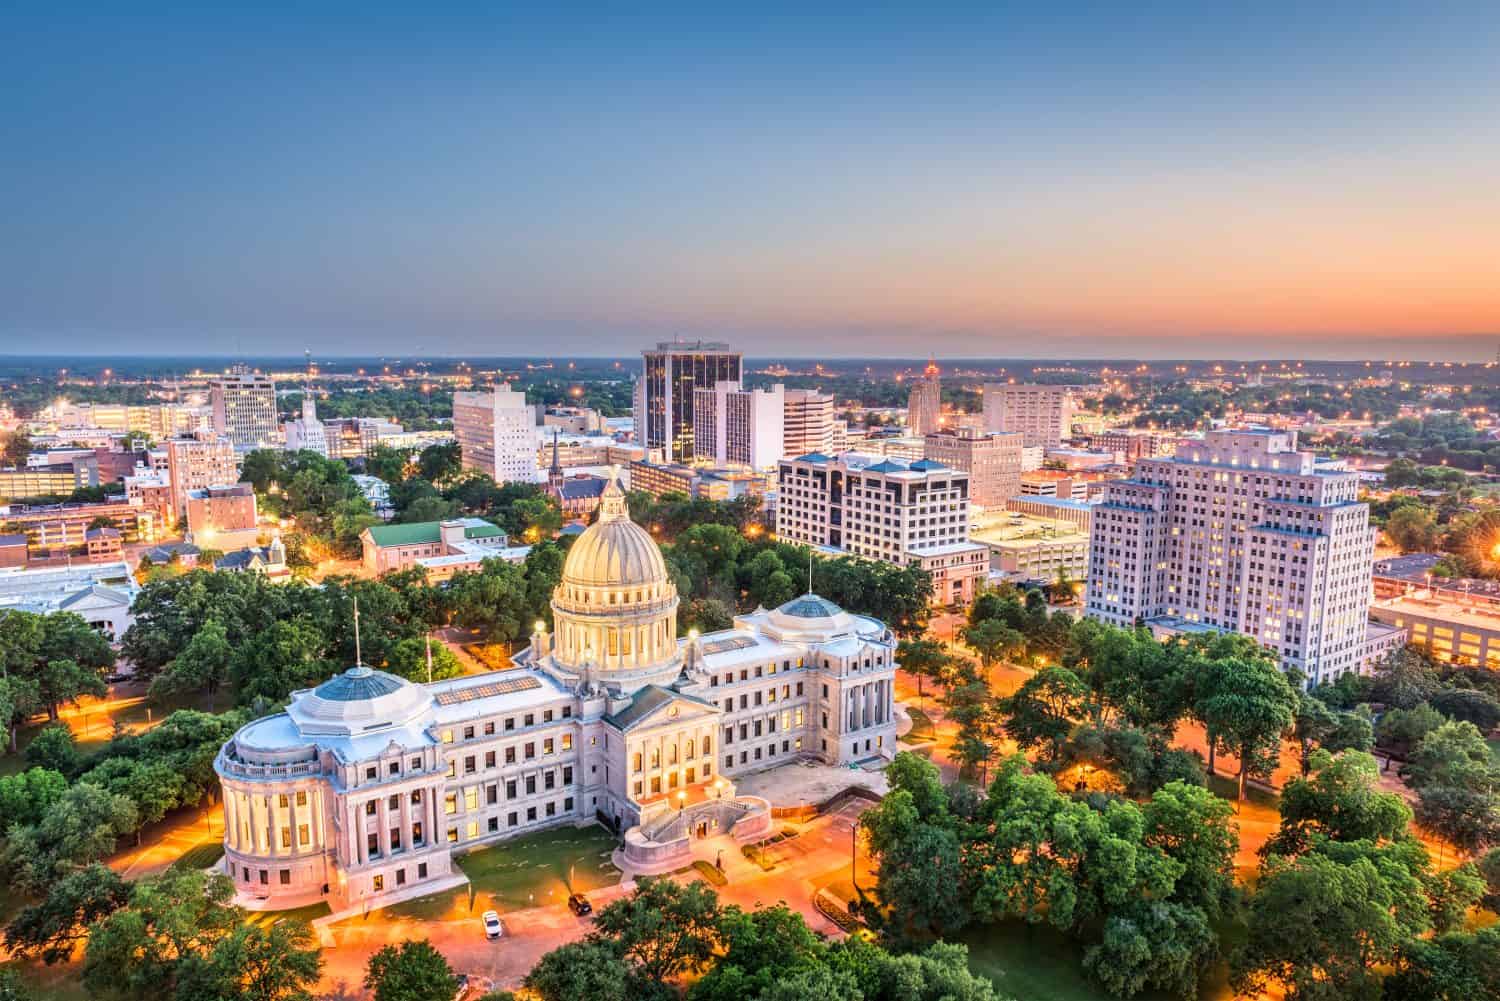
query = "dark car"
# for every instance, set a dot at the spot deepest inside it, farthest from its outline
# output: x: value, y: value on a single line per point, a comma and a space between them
x: 579, y: 904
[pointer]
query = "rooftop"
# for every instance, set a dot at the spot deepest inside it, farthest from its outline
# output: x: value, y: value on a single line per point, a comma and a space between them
x: 428, y: 532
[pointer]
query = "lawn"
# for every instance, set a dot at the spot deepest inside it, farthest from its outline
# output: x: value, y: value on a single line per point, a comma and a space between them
x: 1031, y: 963
x: 202, y: 856
x: 530, y: 871
x: 308, y: 913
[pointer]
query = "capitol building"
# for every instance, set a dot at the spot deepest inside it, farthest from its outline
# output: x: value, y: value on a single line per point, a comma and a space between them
x: 365, y: 788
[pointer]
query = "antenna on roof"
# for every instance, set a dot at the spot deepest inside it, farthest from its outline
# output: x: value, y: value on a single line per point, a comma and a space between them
x: 809, y: 571
x: 358, y: 660
x: 429, y: 658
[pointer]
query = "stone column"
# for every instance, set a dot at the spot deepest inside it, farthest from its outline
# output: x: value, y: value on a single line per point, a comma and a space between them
x: 291, y: 821
x: 383, y: 818
x: 360, y: 841
x: 275, y: 847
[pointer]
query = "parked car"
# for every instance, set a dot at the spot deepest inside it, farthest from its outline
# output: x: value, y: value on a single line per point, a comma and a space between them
x: 579, y: 904
x: 492, y: 926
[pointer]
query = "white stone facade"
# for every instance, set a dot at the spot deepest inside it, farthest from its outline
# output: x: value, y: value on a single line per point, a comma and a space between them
x: 365, y: 787
x: 1240, y: 532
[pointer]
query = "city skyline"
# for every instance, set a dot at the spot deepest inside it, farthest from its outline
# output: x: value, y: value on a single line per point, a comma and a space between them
x: 1166, y: 184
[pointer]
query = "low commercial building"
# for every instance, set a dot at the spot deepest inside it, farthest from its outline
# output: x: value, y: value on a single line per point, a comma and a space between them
x: 223, y: 516
x: 397, y: 547
x: 99, y: 593
x: 1076, y: 513
x: 1449, y: 626
x: 102, y: 545
x: 1028, y: 547
x: 13, y: 551
x: 63, y: 526
x: 59, y: 479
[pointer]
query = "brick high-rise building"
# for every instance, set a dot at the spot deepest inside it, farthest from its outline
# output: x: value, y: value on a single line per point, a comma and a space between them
x: 204, y: 460
x: 993, y: 462
x: 1240, y: 532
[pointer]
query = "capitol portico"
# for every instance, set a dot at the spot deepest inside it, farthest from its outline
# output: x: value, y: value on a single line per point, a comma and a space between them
x: 367, y: 785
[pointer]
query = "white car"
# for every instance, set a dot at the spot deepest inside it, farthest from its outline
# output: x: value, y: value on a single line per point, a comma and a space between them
x: 492, y: 926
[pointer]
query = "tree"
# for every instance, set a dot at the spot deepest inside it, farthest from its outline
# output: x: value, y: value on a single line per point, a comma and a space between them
x: 580, y: 970
x: 759, y: 948
x: 1404, y: 679
x: 429, y: 509
x: 662, y: 929
x: 437, y: 463
x: 169, y: 927
x: 274, y: 663
x: 386, y: 463
x: 992, y: 640
x: 412, y: 971
x: 923, y: 659
x: 275, y: 962
x: 51, y: 929
x: 1319, y: 930
x: 1341, y: 800
x: 1152, y: 943
x: 1246, y: 704
x: 19, y: 700
x: 203, y: 665
x: 539, y: 517
x: 55, y: 748
x: 970, y: 705
x: 1403, y: 729
x: 1192, y: 826
x: 408, y: 658
x: 81, y: 827
x: 1043, y: 709
x: 1413, y: 529
x: 492, y: 600
x: 1452, y: 967
x: 1468, y: 705
x: 27, y: 796
x: 13, y: 988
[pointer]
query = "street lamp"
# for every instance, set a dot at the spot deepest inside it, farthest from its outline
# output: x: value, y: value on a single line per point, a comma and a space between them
x: 682, y: 801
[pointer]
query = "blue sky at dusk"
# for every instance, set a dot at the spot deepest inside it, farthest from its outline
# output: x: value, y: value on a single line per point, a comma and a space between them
x: 1112, y: 180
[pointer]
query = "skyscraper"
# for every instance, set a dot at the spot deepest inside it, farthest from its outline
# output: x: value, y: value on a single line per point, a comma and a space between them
x: 1240, y: 532
x: 496, y: 434
x: 204, y: 460
x: 664, y: 396
x: 244, y: 408
x: 925, y: 406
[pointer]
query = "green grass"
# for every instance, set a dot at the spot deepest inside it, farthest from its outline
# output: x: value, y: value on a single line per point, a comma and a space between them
x: 538, y: 869
x: 1227, y: 787
x: 1037, y: 963
x: 308, y: 913
x: 1495, y: 750
x: 711, y: 875
x: 921, y: 725
x: 201, y: 856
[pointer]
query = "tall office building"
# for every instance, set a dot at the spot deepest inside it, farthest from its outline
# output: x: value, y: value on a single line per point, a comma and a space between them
x: 204, y: 460
x: 906, y: 513
x: 664, y: 396
x: 925, y: 407
x: 307, y: 433
x: 496, y: 434
x: 993, y: 462
x: 1239, y: 532
x: 1043, y: 414
x: 244, y: 408
x: 807, y: 424
x: 738, y: 427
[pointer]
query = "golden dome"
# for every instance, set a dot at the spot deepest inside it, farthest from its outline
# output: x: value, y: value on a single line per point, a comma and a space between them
x: 615, y: 552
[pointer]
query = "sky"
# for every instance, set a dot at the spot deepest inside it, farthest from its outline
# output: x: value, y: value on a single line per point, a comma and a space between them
x: 1119, y: 180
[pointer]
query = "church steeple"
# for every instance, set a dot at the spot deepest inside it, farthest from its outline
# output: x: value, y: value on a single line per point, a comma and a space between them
x: 554, y: 472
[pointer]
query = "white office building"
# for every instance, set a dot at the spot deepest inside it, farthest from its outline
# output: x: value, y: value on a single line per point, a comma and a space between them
x: 244, y: 408
x: 907, y: 513
x: 1239, y: 532
x: 807, y: 423
x: 738, y: 427
x: 496, y: 433
x: 307, y: 432
x: 1043, y: 414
